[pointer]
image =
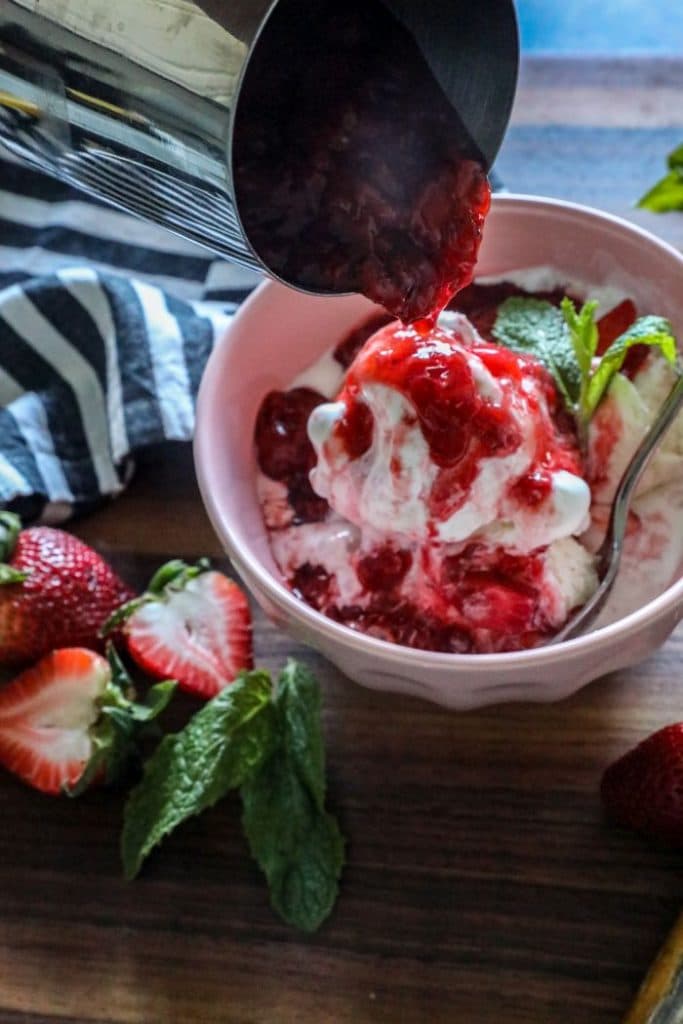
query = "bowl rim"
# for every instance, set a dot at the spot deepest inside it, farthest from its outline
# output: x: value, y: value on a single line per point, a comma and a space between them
x: 408, y: 657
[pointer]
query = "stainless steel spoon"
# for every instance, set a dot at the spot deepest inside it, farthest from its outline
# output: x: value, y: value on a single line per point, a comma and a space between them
x: 608, y: 555
x: 140, y: 108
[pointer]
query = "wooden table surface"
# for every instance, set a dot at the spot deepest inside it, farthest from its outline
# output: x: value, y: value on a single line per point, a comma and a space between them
x: 482, y: 883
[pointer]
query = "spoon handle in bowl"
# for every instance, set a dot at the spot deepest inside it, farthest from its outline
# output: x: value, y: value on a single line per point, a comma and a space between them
x: 660, y: 998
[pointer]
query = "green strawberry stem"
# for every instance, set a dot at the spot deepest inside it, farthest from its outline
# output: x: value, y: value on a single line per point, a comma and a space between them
x: 10, y: 528
x: 120, y: 691
x: 120, y: 724
x: 175, y: 572
x: 10, y: 575
x: 171, y: 576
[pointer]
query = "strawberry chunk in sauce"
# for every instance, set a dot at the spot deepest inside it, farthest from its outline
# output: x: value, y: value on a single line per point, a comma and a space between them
x: 284, y: 452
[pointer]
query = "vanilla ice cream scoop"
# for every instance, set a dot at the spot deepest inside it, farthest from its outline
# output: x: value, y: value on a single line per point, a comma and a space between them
x: 444, y: 437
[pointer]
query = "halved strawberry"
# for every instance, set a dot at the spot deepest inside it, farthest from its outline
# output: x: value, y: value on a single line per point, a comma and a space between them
x: 67, y: 722
x: 193, y: 624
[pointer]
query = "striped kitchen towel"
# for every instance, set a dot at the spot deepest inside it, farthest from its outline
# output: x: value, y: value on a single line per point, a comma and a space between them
x: 106, y: 323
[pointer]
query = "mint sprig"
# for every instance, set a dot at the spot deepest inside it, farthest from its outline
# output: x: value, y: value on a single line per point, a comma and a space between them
x: 667, y: 194
x: 566, y: 341
x: 267, y: 743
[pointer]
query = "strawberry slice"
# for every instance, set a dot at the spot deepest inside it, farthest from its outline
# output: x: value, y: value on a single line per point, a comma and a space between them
x: 67, y: 723
x: 644, y: 789
x: 193, y: 624
x: 46, y: 715
x: 70, y: 721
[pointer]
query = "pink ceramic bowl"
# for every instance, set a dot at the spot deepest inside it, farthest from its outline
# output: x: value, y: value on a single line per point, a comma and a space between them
x: 278, y: 332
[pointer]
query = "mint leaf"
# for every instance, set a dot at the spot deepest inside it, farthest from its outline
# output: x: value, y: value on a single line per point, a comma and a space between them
x: 216, y: 751
x: 298, y: 701
x: 537, y: 328
x: 648, y: 330
x: 297, y: 844
x: 675, y: 159
x: 667, y: 194
x: 583, y: 333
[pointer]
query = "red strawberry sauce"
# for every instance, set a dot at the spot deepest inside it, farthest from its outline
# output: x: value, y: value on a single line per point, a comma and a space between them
x: 479, y: 598
x: 459, y: 425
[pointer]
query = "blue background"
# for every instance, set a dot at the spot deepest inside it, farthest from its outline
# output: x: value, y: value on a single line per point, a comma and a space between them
x: 602, y: 26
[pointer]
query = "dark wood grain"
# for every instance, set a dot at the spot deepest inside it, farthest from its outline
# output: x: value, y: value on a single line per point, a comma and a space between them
x: 482, y: 885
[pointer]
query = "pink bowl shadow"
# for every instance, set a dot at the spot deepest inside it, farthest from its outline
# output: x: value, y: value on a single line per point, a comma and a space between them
x: 278, y: 332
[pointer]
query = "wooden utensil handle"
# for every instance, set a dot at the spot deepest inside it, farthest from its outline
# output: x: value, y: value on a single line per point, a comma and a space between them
x: 663, y: 985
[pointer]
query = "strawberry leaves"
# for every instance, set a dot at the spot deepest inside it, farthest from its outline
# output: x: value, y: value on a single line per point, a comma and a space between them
x: 171, y: 578
x: 566, y: 341
x: 9, y: 575
x: 120, y: 725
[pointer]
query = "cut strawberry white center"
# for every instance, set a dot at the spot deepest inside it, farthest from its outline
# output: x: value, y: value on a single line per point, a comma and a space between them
x: 70, y: 721
x: 196, y: 630
x: 46, y: 716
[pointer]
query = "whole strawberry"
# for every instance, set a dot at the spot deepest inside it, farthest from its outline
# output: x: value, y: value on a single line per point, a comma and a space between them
x: 644, y: 789
x: 55, y: 591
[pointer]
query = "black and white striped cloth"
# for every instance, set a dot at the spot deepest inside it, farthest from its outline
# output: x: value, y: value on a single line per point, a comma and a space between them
x: 106, y: 323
